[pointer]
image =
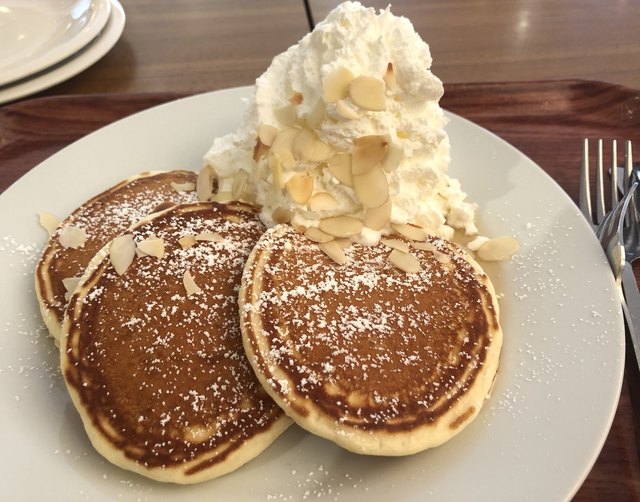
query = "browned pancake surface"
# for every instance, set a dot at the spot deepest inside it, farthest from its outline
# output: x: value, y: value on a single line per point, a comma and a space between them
x: 162, y: 376
x: 103, y: 217
x: 365, y: 344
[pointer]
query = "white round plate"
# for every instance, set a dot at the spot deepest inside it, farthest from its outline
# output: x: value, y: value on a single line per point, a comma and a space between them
x: 68, y: 68
x: 37, y: 34
x: 536, y: 439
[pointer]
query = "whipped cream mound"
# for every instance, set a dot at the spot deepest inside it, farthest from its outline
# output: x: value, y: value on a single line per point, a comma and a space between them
x: 344, y: 136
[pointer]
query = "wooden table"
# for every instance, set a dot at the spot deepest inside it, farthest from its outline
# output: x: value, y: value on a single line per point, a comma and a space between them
x: 188, y: 46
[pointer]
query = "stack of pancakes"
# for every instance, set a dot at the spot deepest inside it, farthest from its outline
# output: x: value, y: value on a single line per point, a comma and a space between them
x: 171, y: 382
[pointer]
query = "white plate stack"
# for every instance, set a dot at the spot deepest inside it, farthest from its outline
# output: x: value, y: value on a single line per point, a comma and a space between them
x: 44, y: 42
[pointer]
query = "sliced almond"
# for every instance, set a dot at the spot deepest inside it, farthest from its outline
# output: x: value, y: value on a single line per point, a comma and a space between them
x: 276, y: 172
x: 343, y: 242
x: 49, y: 222
x: 368, y: 93
x: 478, y: 241
x: 70, y: 284
x: 239, y: 185
x: 341, y: 226
x: 334, y: 251
x: 152, y: 246
x: 321, y: 151
x: 392, y: 158
x: 303, y: 144
x: 204, y: 183
x: 498, y: 248
x: 187, y: 241
x: 317, y: 235
x: 209, y: 237
x: 299, y: 188
x: 346, y: 111
x: 335, y: 85
x: 390, y: 79
x: 376, y: 218
x: 412, y: 232
x: 72, y: 237
x: 222, y: 196
x: 396, y: 244
x: 340, y: 166
x: 267, y: 133
x: 281, y: 215
x: 316, y: 115
x: 296, y: 98
x: 282, y: 147
x: 323, y: 201
x: 187, y: 186
x: 428, y: 246
x: 367, y: 152
x: 372, y: 188
x: 286, y: 115
x: 405, y: 261
x: 121, y: 253
x: 260, y: 150
x: 189, y: 284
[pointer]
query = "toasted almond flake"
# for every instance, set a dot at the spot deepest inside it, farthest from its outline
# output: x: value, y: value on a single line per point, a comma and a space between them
x: 346, y: 111
x: 260, y: 150
x: 296, y: 98
x: 267, y: 133
x: 301, y: 229
x: 405, y: 261
x: 323, y: 201
x: 282, y: 147
x: 316, y: 115
x: 121, y: 253
x: 341, y: 226
x: 343, y: 242
x: 402, y: 134
x: 72, y: 237
x: 335, y: 85
x: 222, y: 196
x: 317, y: 235
x: 187, y: 241
x: 49, y: 222
x: 209, y: 237
x: 302, y: 146
x: 425, y: 246
x: 392, y: 158
x: 189, y: 284
x: 446, y: 232
x: 340, y: 166
x: 376, y: 218
x: 368, y: 93
x: 475, y: 244
x: 334, y: 251
x: 498, y: 248
x: 321, y: 151
x: 70, y: 283
x: 372, y: 188
x: 286, y: 115
x: 390, y: 79
x: 204, y: 183
x: 299, y: 187
x: 281, y: 215
x: 239, y: 185
x: 187, y: 186
x: 153, y: 246
x: 396, y: 244
x: 367, y: 152
x: 140, y: 253
x: 276, y: 172
x: 412, y: 232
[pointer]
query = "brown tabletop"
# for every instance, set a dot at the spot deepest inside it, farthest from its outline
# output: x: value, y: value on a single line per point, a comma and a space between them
x: 176, y: 47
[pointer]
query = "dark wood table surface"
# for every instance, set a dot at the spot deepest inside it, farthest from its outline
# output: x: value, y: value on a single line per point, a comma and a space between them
x: 172, y: 48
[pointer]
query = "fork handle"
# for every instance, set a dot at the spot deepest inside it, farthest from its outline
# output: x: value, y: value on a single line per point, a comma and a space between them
x: 631, y: 309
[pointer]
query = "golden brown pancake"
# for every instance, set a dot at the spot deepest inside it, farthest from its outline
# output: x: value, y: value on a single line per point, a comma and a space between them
x: 158, y: 373
x: 375, y: 359
x: 102, y: 218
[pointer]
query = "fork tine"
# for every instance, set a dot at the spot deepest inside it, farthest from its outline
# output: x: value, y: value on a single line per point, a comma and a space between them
x: 614, y: 173
x: 600, y: 212
x: 585, y: 192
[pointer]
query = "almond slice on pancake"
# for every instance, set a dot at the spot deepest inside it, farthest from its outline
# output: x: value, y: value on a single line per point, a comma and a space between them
x: 158, y: 372
x: 378, y: 360
x: 102, y: 218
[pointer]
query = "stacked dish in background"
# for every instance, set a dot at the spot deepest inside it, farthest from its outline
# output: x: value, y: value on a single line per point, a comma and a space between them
x: 45, y: 42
